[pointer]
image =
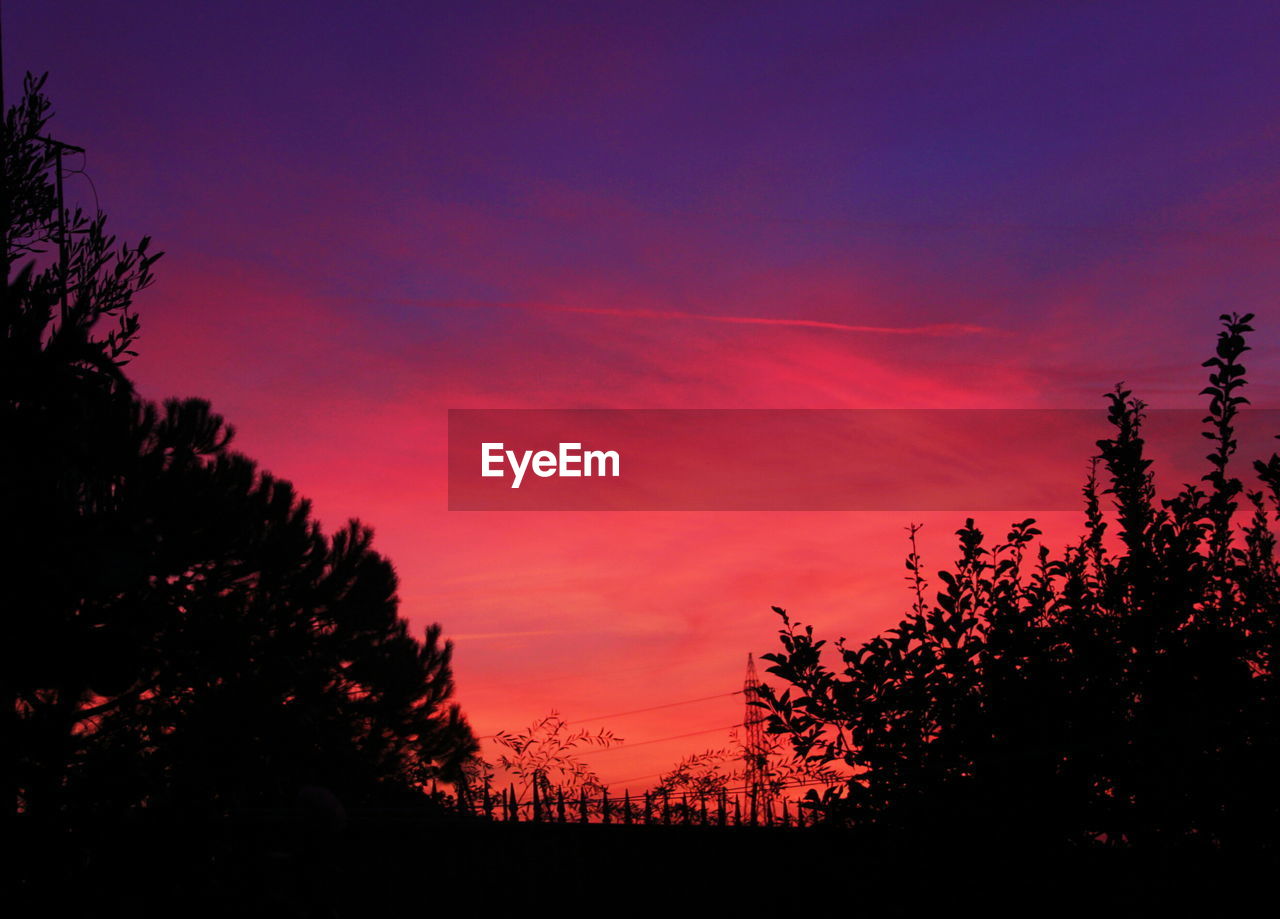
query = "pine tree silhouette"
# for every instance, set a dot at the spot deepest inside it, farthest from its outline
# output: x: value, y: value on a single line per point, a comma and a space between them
x: 182, y: 635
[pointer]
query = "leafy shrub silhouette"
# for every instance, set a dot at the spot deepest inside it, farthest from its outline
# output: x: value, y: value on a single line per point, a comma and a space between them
x: 1123, y: 692
x: 545, y: 758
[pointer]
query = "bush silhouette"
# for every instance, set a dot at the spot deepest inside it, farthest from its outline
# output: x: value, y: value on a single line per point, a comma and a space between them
x: 1123, y: 692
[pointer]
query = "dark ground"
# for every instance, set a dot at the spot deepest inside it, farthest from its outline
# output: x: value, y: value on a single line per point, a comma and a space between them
x: 394, y: 864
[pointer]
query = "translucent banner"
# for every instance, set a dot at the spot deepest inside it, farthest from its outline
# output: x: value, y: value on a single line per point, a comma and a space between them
x: 813, y: 460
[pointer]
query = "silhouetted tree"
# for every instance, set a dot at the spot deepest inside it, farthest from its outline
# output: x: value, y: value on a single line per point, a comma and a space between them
x: 181, y: 632
x: 1123, y: 692
x: 67, y: 406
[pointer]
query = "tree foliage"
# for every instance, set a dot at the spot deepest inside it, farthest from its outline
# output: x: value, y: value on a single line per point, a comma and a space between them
x: 1123, y: 691
x: 546, y: 756
x: 707, y: 774
x: 701, y: 775
x: 181, y: 632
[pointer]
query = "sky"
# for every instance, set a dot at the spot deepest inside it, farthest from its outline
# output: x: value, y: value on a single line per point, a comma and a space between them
x: 374, y: 213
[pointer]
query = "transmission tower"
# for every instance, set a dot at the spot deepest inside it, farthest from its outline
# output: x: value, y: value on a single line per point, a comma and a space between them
x: 755, y: 753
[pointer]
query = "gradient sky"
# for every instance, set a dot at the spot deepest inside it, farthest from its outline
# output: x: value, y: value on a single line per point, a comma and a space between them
x: 372, y: 213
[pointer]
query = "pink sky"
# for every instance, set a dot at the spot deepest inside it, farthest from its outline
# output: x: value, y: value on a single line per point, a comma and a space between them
x: 372, y: 216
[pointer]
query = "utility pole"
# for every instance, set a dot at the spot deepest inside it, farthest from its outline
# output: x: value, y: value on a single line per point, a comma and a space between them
x: 4, y: 154
x: 59, y: 148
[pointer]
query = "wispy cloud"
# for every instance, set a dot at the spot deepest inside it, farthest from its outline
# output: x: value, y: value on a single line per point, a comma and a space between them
x: 932, y: 329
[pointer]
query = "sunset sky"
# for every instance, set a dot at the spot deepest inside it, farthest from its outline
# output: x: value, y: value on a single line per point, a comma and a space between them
x: 373, y: 213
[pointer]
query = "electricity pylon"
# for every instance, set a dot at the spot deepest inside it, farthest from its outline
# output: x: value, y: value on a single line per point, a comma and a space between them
x: 755, y: 753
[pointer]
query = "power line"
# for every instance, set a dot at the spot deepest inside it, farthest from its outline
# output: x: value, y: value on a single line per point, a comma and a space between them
x: 82, y: 171
x: 806, y: 782
x: 728, y: 790
x: 634, y: 778
x: 654, y: 708
x: 639, y: 711
x: 644, y: 743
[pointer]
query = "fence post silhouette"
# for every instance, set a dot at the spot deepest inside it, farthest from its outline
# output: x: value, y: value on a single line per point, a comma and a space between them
x: 707, y: 809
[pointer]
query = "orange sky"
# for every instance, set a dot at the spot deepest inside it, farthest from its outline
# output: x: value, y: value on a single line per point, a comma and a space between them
x: 591, y: 613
